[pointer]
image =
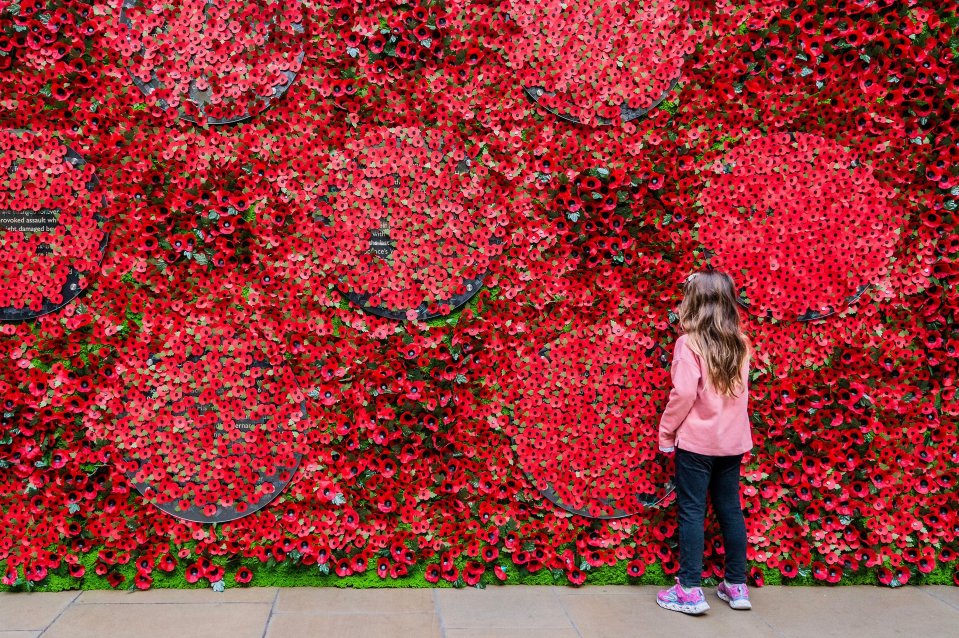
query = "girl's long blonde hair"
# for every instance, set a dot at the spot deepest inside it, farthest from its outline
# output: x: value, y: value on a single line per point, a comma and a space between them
x: 709, y: 316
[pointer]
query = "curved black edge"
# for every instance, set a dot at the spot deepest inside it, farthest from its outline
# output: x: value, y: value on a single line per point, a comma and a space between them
x: 473, y: 286
x: 225, y: 514
x: 149, y: 87
x: 534, y: 93
x: 850, y: 300
x: 810, y: 315
x: 647, y: 501
x: 71, y: 287
x: 652, y: 502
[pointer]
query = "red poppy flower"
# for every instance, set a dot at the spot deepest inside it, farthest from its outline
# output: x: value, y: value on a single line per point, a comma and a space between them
x: 166, y: 563
x: 789, y: 568
x: 576, y: 576
x: 143, y: 581
x: 115, y: 579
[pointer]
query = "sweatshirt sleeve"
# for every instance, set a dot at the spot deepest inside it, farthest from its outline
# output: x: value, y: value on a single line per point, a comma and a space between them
x: 685, y: 374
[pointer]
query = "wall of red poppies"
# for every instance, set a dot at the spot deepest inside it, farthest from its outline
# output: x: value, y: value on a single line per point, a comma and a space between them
x: 390, y: 288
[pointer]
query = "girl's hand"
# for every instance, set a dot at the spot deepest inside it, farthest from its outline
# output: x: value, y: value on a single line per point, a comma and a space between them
x: 666, y: 450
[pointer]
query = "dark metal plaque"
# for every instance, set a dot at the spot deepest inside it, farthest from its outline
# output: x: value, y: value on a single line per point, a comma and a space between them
x: 278, y: 478
x: 45, y: 220
x: 202, y: 98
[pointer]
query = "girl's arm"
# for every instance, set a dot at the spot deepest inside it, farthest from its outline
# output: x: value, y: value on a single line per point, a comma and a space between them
x: 685, y: 374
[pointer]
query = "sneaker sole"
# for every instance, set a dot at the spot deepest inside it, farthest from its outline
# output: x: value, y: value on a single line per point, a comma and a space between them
x: 692, y: 610
x: 735, y: 604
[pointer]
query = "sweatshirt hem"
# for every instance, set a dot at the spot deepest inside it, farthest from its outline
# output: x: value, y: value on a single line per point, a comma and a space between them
x: 710, y: 452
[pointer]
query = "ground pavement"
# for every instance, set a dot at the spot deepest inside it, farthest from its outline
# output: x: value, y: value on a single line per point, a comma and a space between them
x: 496, y: 612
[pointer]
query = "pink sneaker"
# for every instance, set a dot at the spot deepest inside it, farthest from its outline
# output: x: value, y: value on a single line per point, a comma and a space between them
x: 689, y: 601
x: 736, y: 595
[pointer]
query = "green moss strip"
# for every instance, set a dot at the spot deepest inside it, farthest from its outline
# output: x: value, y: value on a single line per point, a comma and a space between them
x: 294, y: 575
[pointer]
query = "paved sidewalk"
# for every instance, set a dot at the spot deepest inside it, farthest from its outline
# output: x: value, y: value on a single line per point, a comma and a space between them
x: 496, y: 612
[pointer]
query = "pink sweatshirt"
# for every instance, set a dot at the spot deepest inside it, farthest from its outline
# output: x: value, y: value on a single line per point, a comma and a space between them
x: 699, y: 419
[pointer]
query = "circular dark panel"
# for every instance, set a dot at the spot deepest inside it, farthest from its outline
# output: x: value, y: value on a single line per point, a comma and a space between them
x: 413, y: 223
x: 800, y: 223
x: 211, y: 426
x: 51, y: 233
x: 587, y: 423
x: 598, y: 62
x: 214, y: 61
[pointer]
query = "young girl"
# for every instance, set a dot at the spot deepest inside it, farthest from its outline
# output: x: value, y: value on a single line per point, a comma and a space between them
x: 705, y: 423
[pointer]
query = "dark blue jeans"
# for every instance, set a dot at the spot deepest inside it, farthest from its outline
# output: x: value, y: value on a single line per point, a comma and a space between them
x: 718, y: 476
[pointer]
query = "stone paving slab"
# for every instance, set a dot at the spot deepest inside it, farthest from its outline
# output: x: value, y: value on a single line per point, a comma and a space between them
x: 506, y: 607
x: 20, y: 612
x: 842, y: 612
x: 150, y: 620
x: 496, y: 612
x: 617, y: 616
x: 501, y: 632
x: 332, y: 600
x: 178, y: 596
x: 413, y: 625
x: 949, y: 595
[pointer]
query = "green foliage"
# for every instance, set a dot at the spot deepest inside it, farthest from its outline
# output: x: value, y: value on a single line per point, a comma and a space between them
x: 288, y: 574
